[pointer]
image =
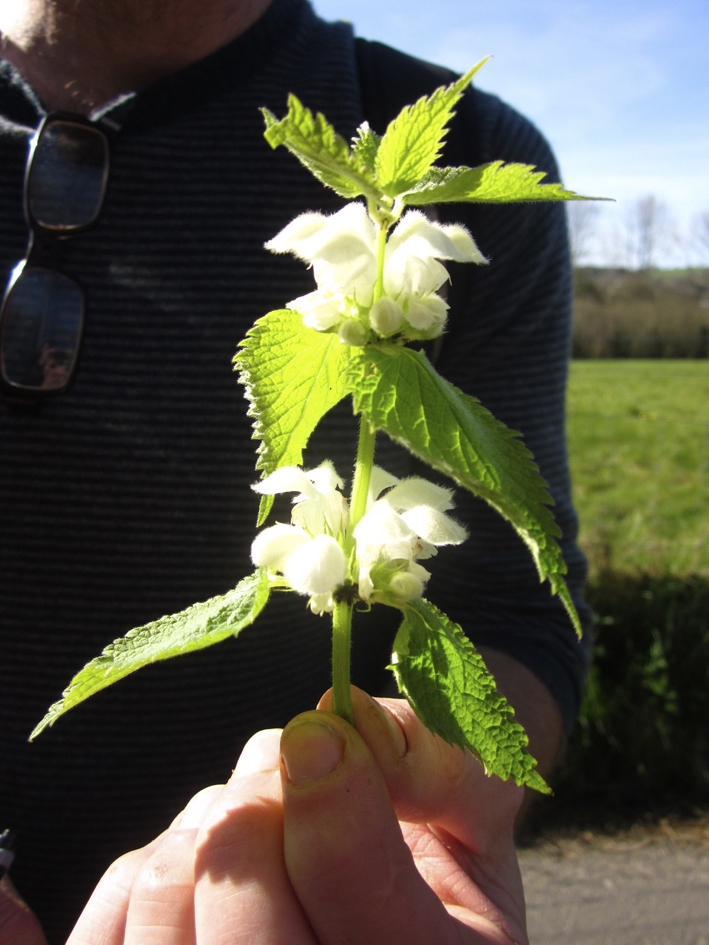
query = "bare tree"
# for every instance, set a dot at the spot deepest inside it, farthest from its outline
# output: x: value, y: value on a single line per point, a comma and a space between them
x: 701, y: 232
x: 648, y: 231
x: 582, y: 228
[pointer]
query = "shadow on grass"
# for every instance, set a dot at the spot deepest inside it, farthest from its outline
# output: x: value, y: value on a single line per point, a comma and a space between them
x: 640, y: 751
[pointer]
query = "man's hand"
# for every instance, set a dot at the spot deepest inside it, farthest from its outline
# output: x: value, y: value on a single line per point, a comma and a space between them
x: 383, y: 835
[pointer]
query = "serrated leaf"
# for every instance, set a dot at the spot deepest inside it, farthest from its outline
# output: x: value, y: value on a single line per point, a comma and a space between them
x: 365, y: 145
x: 196, y: 628
x: 449, y: 687
x: 293, y: 376
x: 414, y: 140
x: 496, y: 182
x: 401, y: 393
x: 318, y: 147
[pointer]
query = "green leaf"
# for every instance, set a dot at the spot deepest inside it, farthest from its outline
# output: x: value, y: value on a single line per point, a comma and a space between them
x: 365, y: 145
x: 293, y: 375
x: 414, y: 139
x: 490, y: 183
x: 318, y: 147
x: 199, y: 626
x: 449, y: 687
x: 401, y: 393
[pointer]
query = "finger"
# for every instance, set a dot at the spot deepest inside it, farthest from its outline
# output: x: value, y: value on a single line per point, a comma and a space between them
x: 161, y: 908
x: 468, y: 816
x: 345, y: 854
x: 243, y: 895
x: 18, y: 924
x: 431, y: 781
x: 104, y: 917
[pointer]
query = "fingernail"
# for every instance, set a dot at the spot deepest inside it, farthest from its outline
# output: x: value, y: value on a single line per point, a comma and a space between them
x: 311, y: 751
x: 260, y: 753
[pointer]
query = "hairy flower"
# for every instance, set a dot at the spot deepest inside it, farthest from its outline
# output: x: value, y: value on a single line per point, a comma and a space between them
x: 342, y: 250
x: 307, y: 552
x: 406, y: 524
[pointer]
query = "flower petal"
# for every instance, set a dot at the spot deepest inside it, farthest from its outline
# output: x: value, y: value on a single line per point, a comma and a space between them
x: 416, y: 491
x: 434, y: 526
x: 381, y: 526
x: 407, y: 273
x: 319, y: 310
x: 296, y: 234
x: 465, y: 244
x: 273, y: 545
x: 324, y: 477
x: 421, y: 237
x: 317, y: 567
x: 378, y: 482
x: 285, y: 479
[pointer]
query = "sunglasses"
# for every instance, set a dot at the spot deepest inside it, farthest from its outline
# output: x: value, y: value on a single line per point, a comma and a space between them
x: 42, y: 315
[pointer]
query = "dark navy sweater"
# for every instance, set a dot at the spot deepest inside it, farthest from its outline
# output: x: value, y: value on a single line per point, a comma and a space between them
x: 128, y: 497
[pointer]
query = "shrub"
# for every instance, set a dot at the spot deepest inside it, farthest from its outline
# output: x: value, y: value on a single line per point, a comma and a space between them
x: 653, y: 314
x: 641, y: 747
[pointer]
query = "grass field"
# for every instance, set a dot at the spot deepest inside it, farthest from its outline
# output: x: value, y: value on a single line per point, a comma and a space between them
x: 639, y: 449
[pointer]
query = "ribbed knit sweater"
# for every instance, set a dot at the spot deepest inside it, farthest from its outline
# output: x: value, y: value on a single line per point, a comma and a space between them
x: 128, y: 497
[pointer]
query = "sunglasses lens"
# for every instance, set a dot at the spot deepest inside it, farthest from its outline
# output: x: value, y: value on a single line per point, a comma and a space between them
x: 41, y: 329
x: 67, y: 176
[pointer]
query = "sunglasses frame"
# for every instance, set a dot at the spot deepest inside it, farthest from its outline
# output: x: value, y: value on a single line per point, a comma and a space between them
x: 43, y: 250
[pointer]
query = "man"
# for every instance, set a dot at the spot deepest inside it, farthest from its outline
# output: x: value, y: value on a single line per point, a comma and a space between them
x: 127, y: 497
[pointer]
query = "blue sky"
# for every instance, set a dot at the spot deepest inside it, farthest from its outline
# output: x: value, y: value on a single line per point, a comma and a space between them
x: 620, y: 88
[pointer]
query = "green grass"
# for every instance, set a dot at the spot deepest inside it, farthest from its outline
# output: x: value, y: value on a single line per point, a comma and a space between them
x: 639, y: 451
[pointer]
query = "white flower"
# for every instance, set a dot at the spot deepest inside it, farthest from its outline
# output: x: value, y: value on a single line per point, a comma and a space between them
x: 406, y: 524
x: 411, y: 264
x: 342, y: 250
x: 307, y: 553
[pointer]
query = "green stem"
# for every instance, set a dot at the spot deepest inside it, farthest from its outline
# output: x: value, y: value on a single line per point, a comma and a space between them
x: 342, y: 614
x: 381, y: 248
x: 341, y: 633
x: 363, y: 472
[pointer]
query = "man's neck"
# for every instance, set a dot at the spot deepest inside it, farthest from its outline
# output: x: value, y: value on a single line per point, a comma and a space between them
x: 80, y: 54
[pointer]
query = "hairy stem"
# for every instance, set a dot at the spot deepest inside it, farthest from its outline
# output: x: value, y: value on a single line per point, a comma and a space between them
x: 342, y: 614
x: 341, y: 633
x: 381, y: 249
x: 363, y: 473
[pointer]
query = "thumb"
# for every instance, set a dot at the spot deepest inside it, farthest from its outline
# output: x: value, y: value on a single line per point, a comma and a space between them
x: 432, y: 782
x: 345, y: 855
x: 18, y: 924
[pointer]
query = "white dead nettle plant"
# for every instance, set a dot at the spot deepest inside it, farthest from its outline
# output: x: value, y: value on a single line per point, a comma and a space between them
x: 378, y: 268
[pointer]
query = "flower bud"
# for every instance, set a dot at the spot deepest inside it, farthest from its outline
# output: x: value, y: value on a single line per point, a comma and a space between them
x: 352, y: 332
x: 321, y: 604
x: 386, y: 316
x: 406, y: 585
x: 427, y: 312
